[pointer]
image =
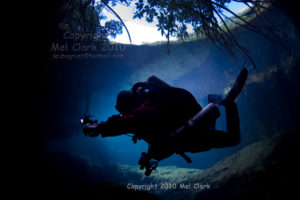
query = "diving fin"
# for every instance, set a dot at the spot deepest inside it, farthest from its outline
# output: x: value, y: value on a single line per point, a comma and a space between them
x: 237, y: 87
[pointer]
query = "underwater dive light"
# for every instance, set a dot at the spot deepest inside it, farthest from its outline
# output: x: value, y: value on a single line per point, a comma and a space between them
x: 87, y: 120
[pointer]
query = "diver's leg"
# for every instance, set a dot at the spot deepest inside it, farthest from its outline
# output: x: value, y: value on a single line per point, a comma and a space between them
x: 233, y: 123
x: 232, y: 136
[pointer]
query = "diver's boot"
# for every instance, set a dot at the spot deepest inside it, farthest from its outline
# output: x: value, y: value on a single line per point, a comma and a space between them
x: 237, y: 87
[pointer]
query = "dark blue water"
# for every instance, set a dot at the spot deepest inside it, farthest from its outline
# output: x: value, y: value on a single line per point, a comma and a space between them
x: 103, y: 82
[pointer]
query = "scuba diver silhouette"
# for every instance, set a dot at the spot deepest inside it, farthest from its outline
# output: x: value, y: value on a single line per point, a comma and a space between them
x: 170, y: 120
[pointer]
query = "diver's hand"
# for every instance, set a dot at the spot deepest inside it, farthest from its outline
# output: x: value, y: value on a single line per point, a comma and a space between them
x: 90, y: 130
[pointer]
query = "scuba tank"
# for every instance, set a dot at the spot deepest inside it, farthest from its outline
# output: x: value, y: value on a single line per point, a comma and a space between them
x: 206, y: 116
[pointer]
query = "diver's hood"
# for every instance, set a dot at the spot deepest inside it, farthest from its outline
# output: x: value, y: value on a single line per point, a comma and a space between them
x: 126, y: 102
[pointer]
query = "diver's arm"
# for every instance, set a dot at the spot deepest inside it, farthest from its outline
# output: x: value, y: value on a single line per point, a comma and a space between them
x: 117, y: 125
x: 114, y: 126
x: 122, y: 124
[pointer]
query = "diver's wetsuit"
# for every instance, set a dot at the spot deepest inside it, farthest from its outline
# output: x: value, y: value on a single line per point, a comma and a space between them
x: 164, y: 111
